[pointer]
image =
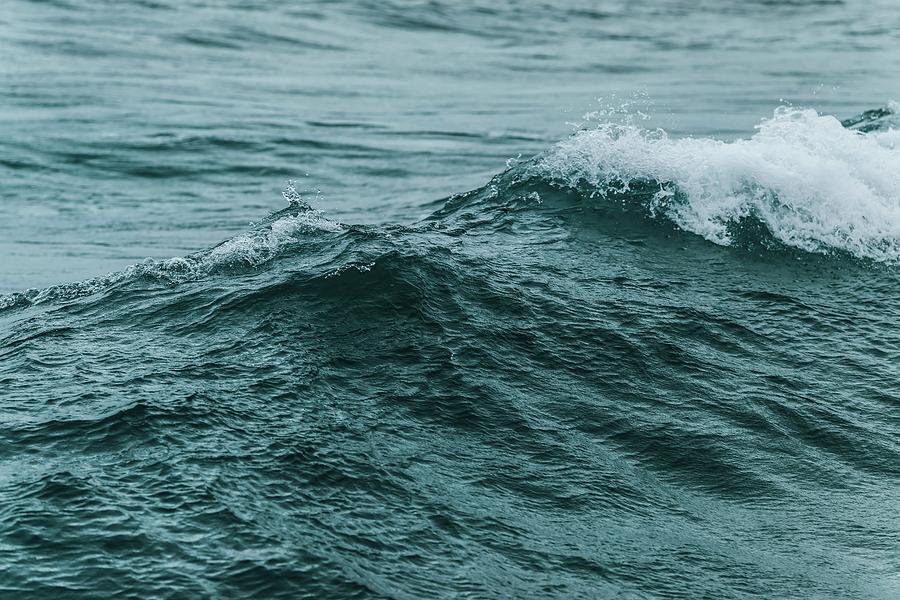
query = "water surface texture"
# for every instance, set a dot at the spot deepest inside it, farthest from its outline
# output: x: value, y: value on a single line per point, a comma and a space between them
x: 498, y: 338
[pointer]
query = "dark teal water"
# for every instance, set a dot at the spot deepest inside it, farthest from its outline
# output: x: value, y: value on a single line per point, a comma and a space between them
x: 653, y: 354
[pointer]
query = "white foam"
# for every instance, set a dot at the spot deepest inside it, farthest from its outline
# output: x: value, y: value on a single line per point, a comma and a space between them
x: 259, y: 246
x: 813, y: 183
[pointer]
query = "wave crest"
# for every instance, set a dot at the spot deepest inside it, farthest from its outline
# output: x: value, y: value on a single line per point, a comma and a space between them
x: 263, y: 242
x: 812, y: 182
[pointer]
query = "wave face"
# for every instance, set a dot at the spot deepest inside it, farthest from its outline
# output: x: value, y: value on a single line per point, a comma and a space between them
x: 554, y: 385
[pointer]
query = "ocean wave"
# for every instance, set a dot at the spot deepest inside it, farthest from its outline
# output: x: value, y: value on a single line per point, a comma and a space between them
x: 813, y: 182
x: 554, y: 348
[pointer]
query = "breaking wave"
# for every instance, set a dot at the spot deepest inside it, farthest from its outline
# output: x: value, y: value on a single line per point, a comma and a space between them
x: 815, y: 183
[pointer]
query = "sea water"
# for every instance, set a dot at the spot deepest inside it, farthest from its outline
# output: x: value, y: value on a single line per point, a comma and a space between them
x: 439, y: 299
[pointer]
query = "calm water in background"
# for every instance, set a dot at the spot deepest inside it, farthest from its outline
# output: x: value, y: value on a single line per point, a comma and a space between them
x: 552, y: 386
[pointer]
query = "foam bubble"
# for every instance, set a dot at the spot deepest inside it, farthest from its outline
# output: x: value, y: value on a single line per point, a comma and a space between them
x: 814, y: 184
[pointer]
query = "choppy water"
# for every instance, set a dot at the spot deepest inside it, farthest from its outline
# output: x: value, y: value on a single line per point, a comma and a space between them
x: 653, y: 354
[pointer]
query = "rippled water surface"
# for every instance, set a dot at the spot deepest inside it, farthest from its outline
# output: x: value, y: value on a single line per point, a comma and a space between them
x: 653, y: 353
